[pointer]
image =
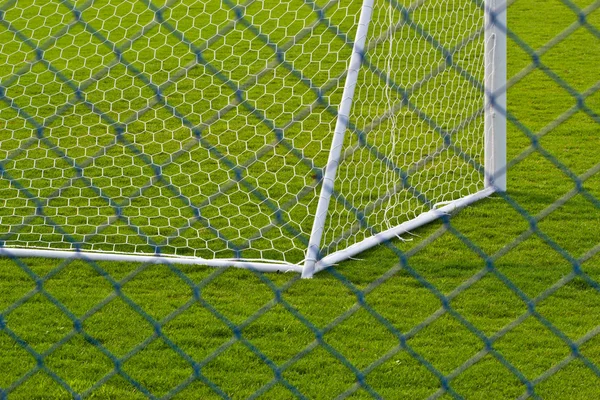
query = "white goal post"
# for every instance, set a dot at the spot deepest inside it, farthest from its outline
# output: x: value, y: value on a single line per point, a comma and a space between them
x: 272, y: 135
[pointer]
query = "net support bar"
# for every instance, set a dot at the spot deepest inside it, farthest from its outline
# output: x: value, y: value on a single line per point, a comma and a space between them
x: 322, y: 264
x: 314, y: 245
x: 401, y: 229
x: 150, y: 259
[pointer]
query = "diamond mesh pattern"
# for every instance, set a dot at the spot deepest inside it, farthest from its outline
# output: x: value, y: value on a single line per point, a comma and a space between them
x: 498, y: 301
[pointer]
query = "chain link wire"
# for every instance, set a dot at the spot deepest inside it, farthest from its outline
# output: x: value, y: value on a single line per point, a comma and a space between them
x: 110, y: 330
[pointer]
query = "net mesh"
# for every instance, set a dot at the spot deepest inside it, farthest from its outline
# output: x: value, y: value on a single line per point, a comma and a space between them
x: 416, y: 134
x: 201, y: 128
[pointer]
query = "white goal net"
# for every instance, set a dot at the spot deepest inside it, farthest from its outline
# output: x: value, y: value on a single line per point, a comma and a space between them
x: 200, y: 131
x: 416, y: 135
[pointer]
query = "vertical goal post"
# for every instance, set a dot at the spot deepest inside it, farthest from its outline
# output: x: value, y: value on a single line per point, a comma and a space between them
x: 495, y: 83
x: 274, y: 136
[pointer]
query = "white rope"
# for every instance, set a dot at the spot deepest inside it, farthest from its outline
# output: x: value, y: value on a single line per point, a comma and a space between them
x: 390, y: 177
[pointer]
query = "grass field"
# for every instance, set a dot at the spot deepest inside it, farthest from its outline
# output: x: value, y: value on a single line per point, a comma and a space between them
x: 64, y: 325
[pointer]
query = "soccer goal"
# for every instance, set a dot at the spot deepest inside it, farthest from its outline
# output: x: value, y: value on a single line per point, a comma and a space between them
x: 277, y: 135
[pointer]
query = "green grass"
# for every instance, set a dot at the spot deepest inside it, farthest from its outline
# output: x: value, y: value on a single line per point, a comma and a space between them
x: 494, y: 303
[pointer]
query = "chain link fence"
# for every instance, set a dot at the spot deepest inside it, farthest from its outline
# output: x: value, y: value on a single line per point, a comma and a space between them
x: 500, y: 300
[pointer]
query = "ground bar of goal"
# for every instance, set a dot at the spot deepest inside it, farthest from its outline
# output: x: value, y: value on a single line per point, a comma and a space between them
x: 149, y: 259
x: 262, y: 266
x: 401, y: 229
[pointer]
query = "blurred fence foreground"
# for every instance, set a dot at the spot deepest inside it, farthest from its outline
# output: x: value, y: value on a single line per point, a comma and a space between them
x: 106, y: 108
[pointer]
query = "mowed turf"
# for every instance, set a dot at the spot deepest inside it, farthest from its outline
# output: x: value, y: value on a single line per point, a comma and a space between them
x: 486, y: 302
